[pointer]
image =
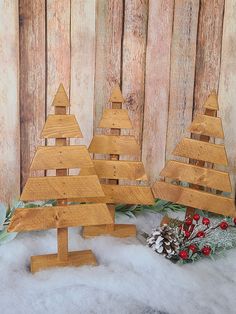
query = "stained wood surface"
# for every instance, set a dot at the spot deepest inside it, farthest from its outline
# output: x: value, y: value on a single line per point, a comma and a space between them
x: 195, y: 198
x: 115, y: 118
x: 199, y: 150
x: 41, y: 218
x: 9, y: 102
x: 113, y: 144
x: 45, y: 188
x: 119, y: 231
x: 207, y: 125
x: 197, y: 175
x: 54, y: 157
x: 61, y: 126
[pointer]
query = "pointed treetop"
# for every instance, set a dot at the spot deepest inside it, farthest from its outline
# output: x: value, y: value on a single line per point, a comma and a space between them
x: 61, y: 98
x: 116, y: 95
x: 212, y: 101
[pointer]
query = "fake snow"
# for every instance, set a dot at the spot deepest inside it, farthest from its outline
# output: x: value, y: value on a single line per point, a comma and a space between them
x: 130, y: 278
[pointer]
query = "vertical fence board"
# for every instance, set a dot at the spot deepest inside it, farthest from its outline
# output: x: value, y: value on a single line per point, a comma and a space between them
x: 83, y: 65
x: 9, y: 105
x: 32, y: 79
x: 157, y: 86
x: 208, y: 51
x: 227, y: 87
x: 183, y: 55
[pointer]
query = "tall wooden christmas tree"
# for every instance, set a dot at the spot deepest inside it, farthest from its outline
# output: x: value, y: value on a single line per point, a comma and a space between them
x: 61, y: 158
x: 205, y: 183
x: 113, y: 169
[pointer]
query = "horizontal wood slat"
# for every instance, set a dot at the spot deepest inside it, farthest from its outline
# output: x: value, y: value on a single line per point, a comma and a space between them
x: 199, y: 150
x: 197, y: 175
x: 207, y: 125
x: 61, y: 157
x: 40, y: 218
x: 61, y: 126
x: 119, y: 145
x: 115, y: 118
x: 194, y: 198
x: 45, y: 188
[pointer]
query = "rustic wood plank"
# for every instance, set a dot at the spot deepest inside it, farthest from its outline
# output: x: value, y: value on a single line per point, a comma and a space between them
x: 114, y: 144
x: 157, y: 84
x: 45, y: 188
x: 183, y: 53
x: 61, y: 126
x: 32, y: 82
x: 115, y: 118
x: 119, y: 231
x: 197, y: 175
x: 212, y: 102
x: 195, y: 198
x: 83, y: 65
x: 63, y: 157
x: 9, y: 114
x: 207, y: 125
x: 41, y: 218
x: 199, y: 150
x: 208, y: 51
x: 61, y: 99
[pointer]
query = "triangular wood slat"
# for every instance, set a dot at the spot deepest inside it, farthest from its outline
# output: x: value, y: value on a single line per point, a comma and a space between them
x: 61, y: 157
x: 115, y: 118
x: 197, y: 175
x: 212, y: 102
x: 109, y: 144
x: 118, y: 169
x: 199, y: 150
x: 116, y: 95
x: 194, y: 198
x: 61, y: 126
x: 41, y: 218
x: 61, y: 99
x: 207, y: 125
x: 45, y: 188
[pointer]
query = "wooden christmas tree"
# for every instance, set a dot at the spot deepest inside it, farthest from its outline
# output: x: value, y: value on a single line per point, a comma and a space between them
x: 113, y: 169
x: 61, y: 157
x: 205, y: 183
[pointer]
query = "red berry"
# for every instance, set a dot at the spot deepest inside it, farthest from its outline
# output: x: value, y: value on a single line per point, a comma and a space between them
x: 193, y: 248
x: 196, y: 217
x: 188, y: 221
x: 206, y: 250
x: 205, y: 221
x: 234, y: 220
x: 224, y: 225
x: 187, y: 234
x: 183, y: 254
x: 201, y: 234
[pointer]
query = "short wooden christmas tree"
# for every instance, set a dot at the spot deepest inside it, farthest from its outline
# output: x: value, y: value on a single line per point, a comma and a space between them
x: 61, y: 158
x: 113, y: 169
x: 205, y: 184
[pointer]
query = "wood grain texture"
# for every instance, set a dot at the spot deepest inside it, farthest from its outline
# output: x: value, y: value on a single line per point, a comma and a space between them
x: 208, y: 51
x: 61, y: 126
x: 32, y: 79
x: 114, y: 144
x: 207, y: 125
x: 195, y: 198
x: 61, y: 99
x: 199, y: 150
x: 183, y: 53
x: 157, y: 84
x: 83, y: 65
x: 197, y: 175
x: 42, y: 218
x: 115, y: 118
x: 45, y: 188
x: 119, y: 231
x: 9, y: 104
x: 53, y: 157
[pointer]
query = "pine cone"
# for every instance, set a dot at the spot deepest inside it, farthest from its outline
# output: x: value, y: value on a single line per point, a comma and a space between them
x: 164, y: 241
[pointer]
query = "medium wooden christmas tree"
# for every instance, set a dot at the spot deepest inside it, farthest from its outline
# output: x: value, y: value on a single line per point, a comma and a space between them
x: 205, y: 183
x: 113, y: 169
x: 61, y: 158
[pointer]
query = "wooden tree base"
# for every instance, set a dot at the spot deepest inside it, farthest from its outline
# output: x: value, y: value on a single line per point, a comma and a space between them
x: 120, y: 231
x: 77, y: 258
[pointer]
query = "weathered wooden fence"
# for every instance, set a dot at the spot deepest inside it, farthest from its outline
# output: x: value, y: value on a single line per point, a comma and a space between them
x: 167, y: 55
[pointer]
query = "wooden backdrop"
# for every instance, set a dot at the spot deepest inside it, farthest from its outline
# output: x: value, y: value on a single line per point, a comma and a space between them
x: 167, y: 55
